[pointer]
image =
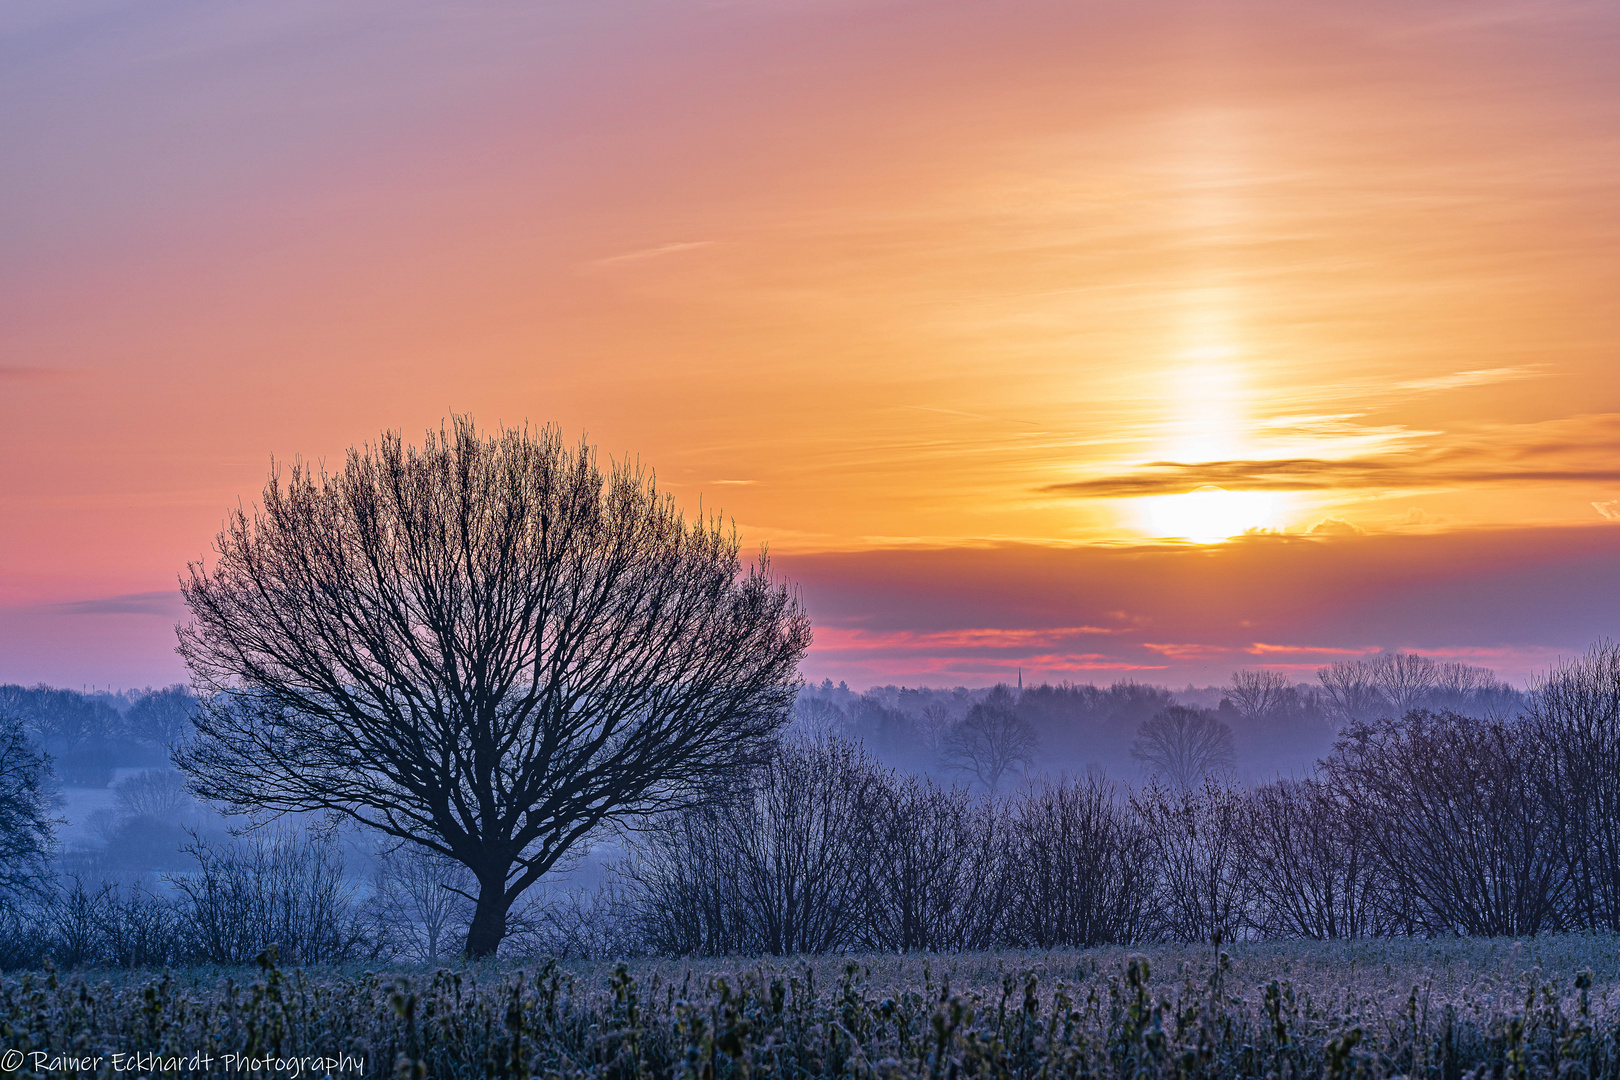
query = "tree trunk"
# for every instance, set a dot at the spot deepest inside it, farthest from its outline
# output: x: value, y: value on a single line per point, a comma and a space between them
x: 488, y: 921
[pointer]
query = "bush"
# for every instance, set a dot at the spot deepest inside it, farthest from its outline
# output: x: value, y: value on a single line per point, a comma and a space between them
x: 277, y: 889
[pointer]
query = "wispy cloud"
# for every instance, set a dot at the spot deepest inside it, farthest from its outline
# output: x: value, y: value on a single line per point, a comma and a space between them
x: 1186, y: 650
x: 1262, y: 648
x: 1578, y: 452
x: 834, y: 637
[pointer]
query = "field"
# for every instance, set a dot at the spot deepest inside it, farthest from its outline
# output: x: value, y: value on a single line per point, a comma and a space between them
x: 1442, y: 1008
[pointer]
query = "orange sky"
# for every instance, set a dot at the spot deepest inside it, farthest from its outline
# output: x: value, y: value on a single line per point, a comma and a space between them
x: 947, y: 293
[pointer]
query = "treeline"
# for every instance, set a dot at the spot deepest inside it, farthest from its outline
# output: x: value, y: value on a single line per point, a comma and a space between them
x: 1270, y: 724
x: 88, y: 736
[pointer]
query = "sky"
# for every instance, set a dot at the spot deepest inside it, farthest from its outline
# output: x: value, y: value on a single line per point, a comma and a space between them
x: 1087, y: 341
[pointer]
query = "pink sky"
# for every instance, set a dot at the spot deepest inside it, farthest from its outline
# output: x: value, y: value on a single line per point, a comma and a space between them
x: 957, y: 306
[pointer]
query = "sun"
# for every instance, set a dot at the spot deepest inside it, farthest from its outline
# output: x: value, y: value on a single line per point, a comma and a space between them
x: 1209, y: 515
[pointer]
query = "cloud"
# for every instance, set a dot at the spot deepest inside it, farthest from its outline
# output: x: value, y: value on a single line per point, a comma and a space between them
x: 1335, y: 527
x: 167, y: 603
x: 1262, y: 648
x: 1580, y: 451
x: 1610, y: 509
x: 1186, y: 650
x: 1025, y: 638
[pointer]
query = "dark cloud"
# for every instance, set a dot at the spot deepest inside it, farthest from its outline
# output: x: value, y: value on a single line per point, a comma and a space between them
x: 1583, y: 453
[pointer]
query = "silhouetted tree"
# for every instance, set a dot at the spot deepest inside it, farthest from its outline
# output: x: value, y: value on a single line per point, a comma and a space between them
x: 1184, y: 744
x: 779, y: 867
x: 26, y: 825
x: 1312, y: 872
x: 934, y: 869
x: 278, y: 888
x: 1197, y: 853
x: 1573, y: 716
x: 1352, y: 690
x: 484, y: 646
x: 1449, y: 806
x: 1079, y: 868
x: 1405, y: 679
x: 991, y: 740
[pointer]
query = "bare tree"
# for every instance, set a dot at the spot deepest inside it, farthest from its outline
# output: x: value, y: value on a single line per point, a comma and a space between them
x: 1195, y: 844
x: 991, y: 740
x: 26, y: 825
x: 934, y: 724
x: 1406, y: 680
x: 484, y: 646
x: 1184, y: 745
x: 162, y: 717
x: 1258, y: 692
x: 1449, y: 806
x: 420, y: 901
x: 280, y: 888
x: 1079, y: 868
x: 778, y: 868
x: 153, y: 793
x: 1352, y: 690
x: 934, y: 869
x: 1313, y: 874
x: 1573, y: 715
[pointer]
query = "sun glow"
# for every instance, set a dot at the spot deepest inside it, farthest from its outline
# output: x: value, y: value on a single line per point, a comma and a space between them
x: 1210, y: 515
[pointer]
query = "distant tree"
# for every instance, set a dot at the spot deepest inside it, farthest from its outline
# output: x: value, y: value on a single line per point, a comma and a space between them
x: 152, y: 793
x: 80, y: 734
x: 420, y: 901
x: 817, y: 716
x: 885, y: 731
x: 991, y: 741
x: 1258, y: 693
x: 934, y: 725
x: 484, y: 646
x: 26, y: 825
x: 1473, y: 691
x: 1184, y: 745
x: 1352, y: 690
x: 1406, y: 679
x: 162, y: 717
